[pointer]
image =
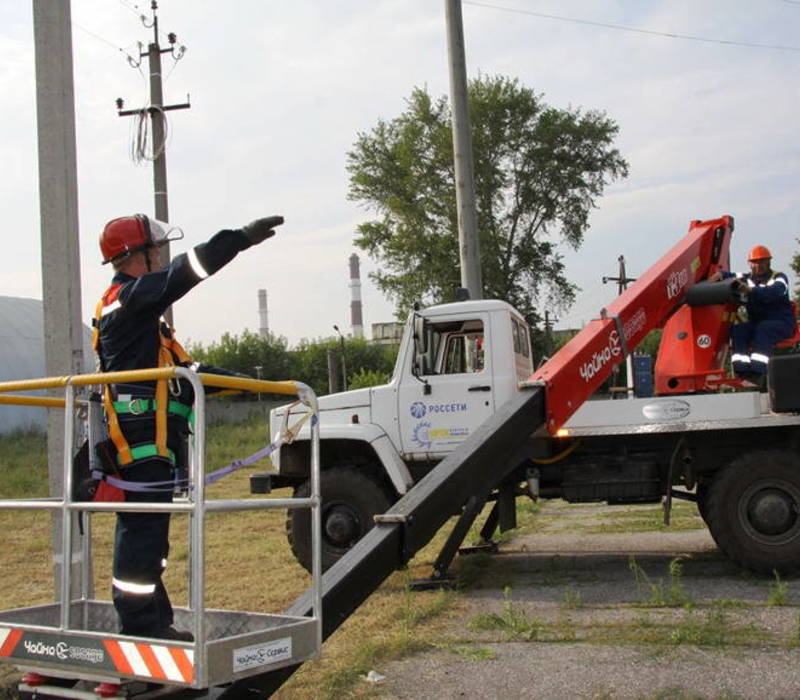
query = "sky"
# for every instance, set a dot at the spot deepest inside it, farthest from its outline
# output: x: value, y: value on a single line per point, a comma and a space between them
x: 279, y: 91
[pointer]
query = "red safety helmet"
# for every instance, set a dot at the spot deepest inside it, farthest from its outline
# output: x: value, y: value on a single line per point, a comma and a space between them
x: 759, y: 252
x: 126, y: 235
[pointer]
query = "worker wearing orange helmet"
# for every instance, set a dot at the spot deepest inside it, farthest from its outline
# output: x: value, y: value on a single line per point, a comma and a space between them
x: 148, y: 422
x: 770, y: 317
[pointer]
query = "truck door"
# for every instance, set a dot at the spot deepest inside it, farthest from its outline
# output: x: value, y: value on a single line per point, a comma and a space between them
x: 457, y: 369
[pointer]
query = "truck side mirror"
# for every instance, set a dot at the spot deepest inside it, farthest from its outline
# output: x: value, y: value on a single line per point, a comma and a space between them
x: 420, y: 335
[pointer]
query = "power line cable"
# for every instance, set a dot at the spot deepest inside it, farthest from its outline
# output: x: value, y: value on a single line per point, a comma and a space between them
x: 133, y: 8
x: 621, y: 27
x: 132, y: 61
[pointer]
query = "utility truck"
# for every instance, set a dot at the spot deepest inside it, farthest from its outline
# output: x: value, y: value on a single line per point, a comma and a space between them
x: 701, y: 437
x: 465, y: 420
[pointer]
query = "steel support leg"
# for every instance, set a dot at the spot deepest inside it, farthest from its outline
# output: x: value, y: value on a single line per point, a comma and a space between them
x: 440, y: 577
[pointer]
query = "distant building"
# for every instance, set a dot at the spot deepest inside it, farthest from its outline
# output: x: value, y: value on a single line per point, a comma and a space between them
x: 387, y: 333
x: 22, y: 357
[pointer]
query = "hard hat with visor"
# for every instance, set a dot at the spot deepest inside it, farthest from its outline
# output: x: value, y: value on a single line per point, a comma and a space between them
x: 128, y: 234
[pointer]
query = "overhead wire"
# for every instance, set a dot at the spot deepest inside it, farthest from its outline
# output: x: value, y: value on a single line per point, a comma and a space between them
x: 140, y: 125
x: 637, y: 30
x: 132, y: 61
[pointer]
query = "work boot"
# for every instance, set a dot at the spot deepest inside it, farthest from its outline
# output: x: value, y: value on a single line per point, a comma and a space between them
x: 177, y: 635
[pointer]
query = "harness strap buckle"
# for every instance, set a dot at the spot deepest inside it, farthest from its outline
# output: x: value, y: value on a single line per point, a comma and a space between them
x: 138, y: 406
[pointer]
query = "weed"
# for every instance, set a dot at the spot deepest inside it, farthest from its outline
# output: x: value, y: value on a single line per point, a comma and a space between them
x: 572, y: 599
x: 470, y: 652
x: 529, y: 507
x: 778, y: 592
x: 420, y: 607
x: 565, y: 630
x: 512, y: 620
x: 714, y: 628
x: 672, y: 595
x: 472, y: 569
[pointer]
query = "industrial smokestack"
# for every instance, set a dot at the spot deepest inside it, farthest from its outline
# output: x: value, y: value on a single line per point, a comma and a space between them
x: 356, y: 320
x: 263, y: 319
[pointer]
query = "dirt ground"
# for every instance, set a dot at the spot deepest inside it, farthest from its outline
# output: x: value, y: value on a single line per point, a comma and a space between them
x: 583, y: 608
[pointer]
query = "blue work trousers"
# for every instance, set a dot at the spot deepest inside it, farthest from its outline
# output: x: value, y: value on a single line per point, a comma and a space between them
x: 753, y: 343
x: 141, y: 548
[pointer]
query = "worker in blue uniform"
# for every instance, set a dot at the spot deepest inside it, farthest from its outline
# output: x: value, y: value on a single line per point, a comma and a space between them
x: 770, y: 317
x: 148, y: 422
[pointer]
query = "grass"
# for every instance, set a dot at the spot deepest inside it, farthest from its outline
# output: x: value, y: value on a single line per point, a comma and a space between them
x: 683, y: 517
x: 249, y: 566
x: 512, y: 620
x: 658, y: 593
x: 779, y: 592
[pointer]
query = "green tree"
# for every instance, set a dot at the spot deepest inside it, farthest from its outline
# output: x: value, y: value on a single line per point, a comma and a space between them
x: 538, y: 172
x: 243, y: 353
x: 796, y: 270
x: 310, y: 361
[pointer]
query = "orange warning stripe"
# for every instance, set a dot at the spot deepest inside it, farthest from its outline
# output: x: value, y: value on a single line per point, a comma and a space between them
x: 10, y: 642
x: 118, y: 656
x: 142, y: 660
x: 183, y: 663
x: 151, y: 661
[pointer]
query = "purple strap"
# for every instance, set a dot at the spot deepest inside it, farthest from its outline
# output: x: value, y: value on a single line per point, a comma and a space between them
x: 160, y: 486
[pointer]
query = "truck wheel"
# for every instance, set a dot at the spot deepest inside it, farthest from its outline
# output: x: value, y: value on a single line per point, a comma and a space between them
x: 702, y: 493
x: 350, y: 499
x: 753, y: 511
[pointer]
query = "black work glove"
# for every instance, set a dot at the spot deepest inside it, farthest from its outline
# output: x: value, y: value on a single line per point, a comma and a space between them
x: 259, y: 230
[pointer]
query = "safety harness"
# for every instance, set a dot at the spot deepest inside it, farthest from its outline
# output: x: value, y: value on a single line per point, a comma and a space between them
x: 286, y: 436
x: 170, y: 354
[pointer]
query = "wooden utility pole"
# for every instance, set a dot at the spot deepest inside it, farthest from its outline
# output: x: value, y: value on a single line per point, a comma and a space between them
x: 156, y: 112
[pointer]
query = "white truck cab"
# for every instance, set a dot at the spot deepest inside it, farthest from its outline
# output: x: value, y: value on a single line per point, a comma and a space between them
x: 457, y: 363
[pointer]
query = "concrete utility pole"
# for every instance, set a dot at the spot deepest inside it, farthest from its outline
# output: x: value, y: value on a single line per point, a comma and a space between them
x: 548, y: 332
x: 58, y: 207
x: 622, y: 285
x: 156, y: 112
x: 469, y: 251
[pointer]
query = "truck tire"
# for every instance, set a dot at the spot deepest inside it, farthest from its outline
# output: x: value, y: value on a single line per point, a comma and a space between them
x: 753, y: 511
x: 350, y: 499
x: 702, y: 492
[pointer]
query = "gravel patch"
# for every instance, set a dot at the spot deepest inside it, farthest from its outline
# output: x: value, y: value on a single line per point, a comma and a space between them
x: 580, y: 595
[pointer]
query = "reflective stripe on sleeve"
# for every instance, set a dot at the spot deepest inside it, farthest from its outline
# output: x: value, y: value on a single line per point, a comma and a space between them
x: 134, y: 588
x: 777, y: 280
x: 740, y: 358
x: 758, y: 357
x: 194, y: 263
x: 113, y: 306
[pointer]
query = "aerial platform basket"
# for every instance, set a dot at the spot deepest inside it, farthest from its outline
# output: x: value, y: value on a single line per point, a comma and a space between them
x: 76, y: 637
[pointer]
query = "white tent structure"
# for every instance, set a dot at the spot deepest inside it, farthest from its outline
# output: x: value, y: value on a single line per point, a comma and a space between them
x: 22, y: 357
